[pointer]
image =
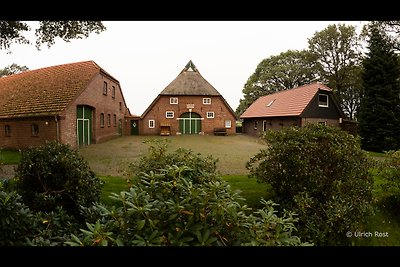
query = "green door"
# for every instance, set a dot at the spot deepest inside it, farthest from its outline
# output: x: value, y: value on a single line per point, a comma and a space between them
x: 83, y: 125
x: 134, y: 127
x: 190, y: 123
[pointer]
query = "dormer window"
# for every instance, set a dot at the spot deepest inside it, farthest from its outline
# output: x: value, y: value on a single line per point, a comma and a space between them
x: 323, y: 100
x: 270, y: 103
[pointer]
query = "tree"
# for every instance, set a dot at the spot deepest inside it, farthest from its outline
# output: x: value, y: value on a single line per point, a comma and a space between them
x: 276, y: 73
x: 379, y: 118
x: 338, y: 53
x: 12, y: 69
x: 391, y: 28
x: 47, y: 32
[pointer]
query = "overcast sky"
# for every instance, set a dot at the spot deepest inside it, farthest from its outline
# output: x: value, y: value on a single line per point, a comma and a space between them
x: 145, y: 56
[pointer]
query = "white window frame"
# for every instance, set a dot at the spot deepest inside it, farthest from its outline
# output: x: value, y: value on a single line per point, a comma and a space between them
x: 169, y: 112
x: 327, y: 101
x: 173, y: 100
x: 228, y: 124
x: 210, y: 115
x: 152, y: 124
x: 206, y: 101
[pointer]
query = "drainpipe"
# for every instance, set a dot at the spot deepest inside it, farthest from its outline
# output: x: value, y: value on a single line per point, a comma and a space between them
x: 58, y: 128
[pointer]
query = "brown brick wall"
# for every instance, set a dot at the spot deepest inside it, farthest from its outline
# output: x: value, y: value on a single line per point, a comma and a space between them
x: 93, y: 96
x: 162, y: 105
x: 21, y: 132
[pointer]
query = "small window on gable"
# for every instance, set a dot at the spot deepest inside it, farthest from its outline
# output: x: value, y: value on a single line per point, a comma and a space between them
x: 120, y: 105
x: 115, y: 120
x: 113, y: 92
x: 169, y: 114
x: 102, y: 120
x: 105, y: 88
x: 207, y: 101
x: 35, y: 129
x: 173, y: 100
x: 152, y: 123
x: 323, y: 100
x: 210, y: 115
x: 228, y: 124
x: 7, y: 130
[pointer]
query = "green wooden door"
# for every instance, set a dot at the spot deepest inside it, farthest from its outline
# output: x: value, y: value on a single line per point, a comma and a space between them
x: 83, y: 125
x: 134, y: 127
x: 190, y: 123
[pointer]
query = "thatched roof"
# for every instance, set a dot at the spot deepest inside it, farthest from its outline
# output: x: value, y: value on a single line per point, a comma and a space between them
x: 190, y: 82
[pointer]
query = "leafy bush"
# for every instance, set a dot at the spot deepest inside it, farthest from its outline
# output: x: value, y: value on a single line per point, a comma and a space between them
x: 182, y: 205
x: 15, y: 219
x: 322, y: 175
x: 55, y: 175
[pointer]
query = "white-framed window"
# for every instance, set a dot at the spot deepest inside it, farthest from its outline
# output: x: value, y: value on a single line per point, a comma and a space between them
x: 169, y: 114
x: 206, y: 101
x: 255, y: 125
x: 228, y: 124
x: 152, y: 123
x: 101, y: 119
x: 264, y: 126
x: 210, y: 115
x: 173, y: 100
x: 323, y: 100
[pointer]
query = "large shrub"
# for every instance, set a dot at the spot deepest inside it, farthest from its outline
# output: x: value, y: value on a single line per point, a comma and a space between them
x: 16, y: 219
x: 56, y: 175
x: 321, y: 174
x: 183, y: 204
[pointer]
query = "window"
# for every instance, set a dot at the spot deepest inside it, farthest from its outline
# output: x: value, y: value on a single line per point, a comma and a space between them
x: 169, y: 114
x: 105, y: 88
x: 113, y: 92
x: 173, y: 100
x: 206, y: 101
x: 255, y: 125
x: 120, y: 105
x: 270, y: 103
x: 35, y: 129
x: 152, y: 123
x: 115, y: 120
x: 108, y: 120
x: 264, y: 126
x: 322, y: 122
x: 210, y: 115
x: 323, y: 100
x: 102, y: 120
x: 228, y: 124
x: 7, y: 130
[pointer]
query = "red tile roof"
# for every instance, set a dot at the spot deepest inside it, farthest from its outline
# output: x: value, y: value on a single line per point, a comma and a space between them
x: 290, y: 102
x: 45, y: 91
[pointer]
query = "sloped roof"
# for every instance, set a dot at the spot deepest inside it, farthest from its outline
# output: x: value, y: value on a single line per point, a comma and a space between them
x: 45, y: 91
x: 290, y: 102
x: 190, y: 82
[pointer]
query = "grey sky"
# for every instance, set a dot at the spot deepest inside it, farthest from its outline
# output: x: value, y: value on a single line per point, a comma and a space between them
x: 145, y: 56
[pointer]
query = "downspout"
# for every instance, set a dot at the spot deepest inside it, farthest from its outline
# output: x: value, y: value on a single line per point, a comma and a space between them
x: 58, y: 128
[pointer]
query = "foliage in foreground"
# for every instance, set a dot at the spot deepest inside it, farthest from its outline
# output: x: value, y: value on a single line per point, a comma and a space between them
x: 321, y: 174
x: 183, y: 204
x: 55, y: 175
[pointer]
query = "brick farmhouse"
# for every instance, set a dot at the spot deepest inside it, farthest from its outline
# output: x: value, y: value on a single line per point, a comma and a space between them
x: 311, y: 103
x: 188, y: 105
x: 77, y: 104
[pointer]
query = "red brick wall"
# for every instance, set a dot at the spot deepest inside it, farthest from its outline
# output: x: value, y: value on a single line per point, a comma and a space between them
x: 270, y: 123
x: 21, y: 132
x: 162, y: 105
x: 93, y: 96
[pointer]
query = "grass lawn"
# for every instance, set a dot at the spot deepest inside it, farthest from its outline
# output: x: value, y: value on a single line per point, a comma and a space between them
x: 9, y: 156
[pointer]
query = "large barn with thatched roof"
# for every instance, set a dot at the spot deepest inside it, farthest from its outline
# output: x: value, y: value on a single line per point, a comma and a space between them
x: 188, y: 105
x: 76, y: 104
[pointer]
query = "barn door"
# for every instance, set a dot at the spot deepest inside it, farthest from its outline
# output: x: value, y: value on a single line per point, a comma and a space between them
x: 83, y: 125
